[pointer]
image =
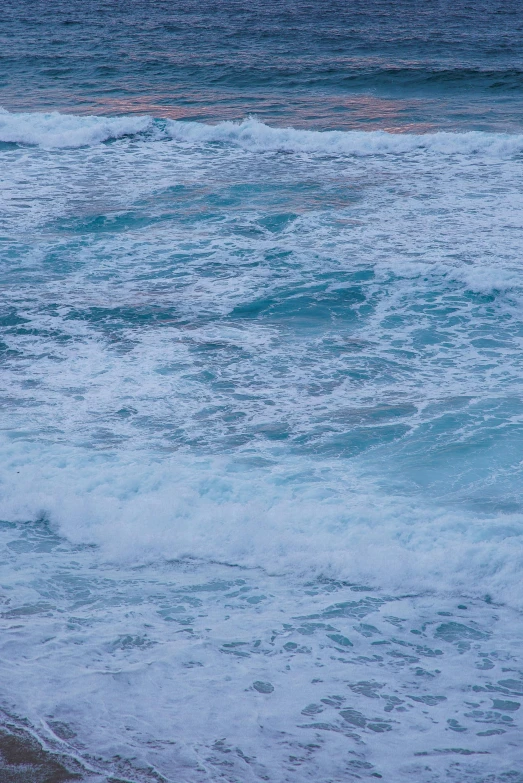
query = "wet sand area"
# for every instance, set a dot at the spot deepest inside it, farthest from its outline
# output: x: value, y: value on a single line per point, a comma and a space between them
x: 23, y: 760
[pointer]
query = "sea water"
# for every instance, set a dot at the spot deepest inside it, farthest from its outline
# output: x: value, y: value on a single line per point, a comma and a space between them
x: 261, y: 380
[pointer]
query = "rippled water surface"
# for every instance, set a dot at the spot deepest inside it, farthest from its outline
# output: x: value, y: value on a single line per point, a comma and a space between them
x: 261, y: 422
x: 387, y: 63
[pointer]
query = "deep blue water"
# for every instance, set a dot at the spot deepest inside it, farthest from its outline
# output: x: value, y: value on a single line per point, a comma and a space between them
x: 399, y: 64
x: 261, y: 360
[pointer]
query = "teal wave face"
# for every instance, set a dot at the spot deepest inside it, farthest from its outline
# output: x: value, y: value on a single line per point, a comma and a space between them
x: 276, y: 292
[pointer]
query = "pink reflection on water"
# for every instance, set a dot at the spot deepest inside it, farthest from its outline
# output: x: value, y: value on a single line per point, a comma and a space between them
x: 312, y: 110
x: 352, y: 112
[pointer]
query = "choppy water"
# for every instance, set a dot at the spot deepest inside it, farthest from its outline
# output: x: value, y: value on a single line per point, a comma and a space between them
x: 262, y: 406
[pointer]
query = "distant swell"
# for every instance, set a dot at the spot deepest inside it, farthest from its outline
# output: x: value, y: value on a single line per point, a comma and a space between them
x: 55, y: 130
x: 336, y: 73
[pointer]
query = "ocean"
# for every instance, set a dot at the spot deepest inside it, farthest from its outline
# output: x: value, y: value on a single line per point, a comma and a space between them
x: 261, y: 432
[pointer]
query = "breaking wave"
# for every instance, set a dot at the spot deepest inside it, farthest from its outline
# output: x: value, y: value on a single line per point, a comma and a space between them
x: 255, y: 135
x: 55, y: 130
x: 66, y: 130
x: 142, y: 511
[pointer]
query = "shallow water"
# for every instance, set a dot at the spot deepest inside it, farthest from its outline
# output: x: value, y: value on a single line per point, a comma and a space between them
x: 261, y: 386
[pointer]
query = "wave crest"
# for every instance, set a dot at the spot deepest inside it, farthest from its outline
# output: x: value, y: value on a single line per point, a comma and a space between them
x: 66, y: 130
x: 255, y: 135
x: 138, y: 509
x: 55, y: 130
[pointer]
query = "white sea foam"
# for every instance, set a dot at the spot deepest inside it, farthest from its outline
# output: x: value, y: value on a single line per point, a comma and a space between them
x: 255, y: 135
x: 66, y: 130
x: 177, y: 665
x: 139, y: 509
x: 174, y: 316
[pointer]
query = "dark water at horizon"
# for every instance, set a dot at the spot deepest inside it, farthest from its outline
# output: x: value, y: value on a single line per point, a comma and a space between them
x: 400, y: 64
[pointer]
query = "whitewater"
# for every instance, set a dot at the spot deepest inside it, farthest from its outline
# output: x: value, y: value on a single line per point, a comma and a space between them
x: 260, y: 475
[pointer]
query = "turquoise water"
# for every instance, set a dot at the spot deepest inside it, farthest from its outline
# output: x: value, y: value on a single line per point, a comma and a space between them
x: 261, y: 382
